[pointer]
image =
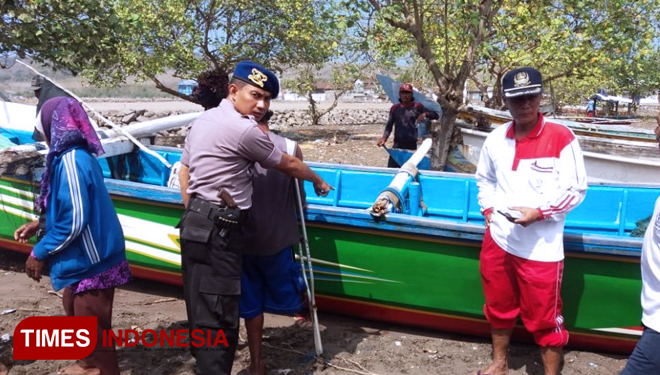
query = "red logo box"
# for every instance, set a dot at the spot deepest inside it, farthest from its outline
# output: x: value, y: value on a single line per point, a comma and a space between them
x: 55, y: 337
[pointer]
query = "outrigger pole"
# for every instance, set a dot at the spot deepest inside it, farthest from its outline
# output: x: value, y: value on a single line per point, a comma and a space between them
x: 318, y: 346
x: 110, y: 123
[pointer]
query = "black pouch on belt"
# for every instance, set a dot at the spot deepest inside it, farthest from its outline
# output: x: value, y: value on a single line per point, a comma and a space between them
x: 197, y: 224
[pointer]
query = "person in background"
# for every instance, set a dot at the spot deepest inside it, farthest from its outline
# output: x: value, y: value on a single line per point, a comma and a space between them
x: 271, y: 280
x: 211, y: 88
x: 645, y: 359
x: 530, y: 175
x: 83, y: 246
x: 404, y: 117
x: 591, y: 108
x: 217, y: 164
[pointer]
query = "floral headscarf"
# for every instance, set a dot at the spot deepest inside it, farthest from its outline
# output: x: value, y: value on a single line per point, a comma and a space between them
x: 65, y: 124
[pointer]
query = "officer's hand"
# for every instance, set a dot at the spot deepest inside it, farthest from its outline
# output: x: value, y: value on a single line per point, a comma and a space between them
x: 529, y: 215
x: 25, y: 231
x: 322, y: 188
x: 381, y: 142
x: 33, y: 267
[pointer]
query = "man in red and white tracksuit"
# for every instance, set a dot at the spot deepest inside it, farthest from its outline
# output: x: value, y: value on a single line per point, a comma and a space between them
x: 530, y: 175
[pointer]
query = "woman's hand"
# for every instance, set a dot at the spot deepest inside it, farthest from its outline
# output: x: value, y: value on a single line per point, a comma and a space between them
x: 25, y: 231
x: 33, y: 267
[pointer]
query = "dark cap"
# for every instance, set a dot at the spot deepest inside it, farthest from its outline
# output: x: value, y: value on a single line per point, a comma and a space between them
x: 257, y: 76
x: 522, y: 81
x: 406, y: 87
x: 37, y: 82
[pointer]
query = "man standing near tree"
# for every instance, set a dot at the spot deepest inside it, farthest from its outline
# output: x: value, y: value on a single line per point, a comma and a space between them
x: 404, y: 117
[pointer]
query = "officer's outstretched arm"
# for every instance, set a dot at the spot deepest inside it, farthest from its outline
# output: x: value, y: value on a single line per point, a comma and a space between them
x: 184, y: 177
x: 294, y: 167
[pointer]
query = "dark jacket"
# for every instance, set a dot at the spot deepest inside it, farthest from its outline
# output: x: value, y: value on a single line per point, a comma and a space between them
x: 403, y: 117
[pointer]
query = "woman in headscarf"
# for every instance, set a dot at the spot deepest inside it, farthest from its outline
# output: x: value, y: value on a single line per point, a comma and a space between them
x: 84, y: 244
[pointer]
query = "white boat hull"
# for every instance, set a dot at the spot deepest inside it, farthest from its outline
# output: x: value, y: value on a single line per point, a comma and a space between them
x: 600, y: 167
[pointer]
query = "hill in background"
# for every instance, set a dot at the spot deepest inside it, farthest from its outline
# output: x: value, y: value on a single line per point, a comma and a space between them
x: 15, y: 83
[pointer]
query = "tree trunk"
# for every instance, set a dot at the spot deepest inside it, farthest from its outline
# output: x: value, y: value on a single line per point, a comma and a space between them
x: 442, y: 132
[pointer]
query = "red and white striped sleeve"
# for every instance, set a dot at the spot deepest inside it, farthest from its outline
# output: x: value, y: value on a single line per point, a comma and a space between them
x: 572, y: 183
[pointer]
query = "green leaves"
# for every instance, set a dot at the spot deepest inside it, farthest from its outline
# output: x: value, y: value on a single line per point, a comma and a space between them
x: 64, y: 34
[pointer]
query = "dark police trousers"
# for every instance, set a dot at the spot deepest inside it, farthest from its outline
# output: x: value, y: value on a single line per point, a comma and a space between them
x: 211, y: 269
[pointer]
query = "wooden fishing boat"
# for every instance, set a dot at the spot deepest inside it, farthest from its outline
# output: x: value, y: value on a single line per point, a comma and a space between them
x: 640, y: 162
x: 419, y: 267
x: 602, y: 129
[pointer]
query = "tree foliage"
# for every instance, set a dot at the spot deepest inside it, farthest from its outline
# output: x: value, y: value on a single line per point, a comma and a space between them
x: 578, y: 41
x: 112, y: 40
x: 193, y: 36
x: 63, y: 34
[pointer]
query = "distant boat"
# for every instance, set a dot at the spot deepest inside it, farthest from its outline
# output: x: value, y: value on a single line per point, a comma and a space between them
x: 606, y: 129
x: 603, y: 166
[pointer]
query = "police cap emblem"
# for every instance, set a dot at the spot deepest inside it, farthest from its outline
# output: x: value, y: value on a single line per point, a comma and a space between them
x: 257, y: 77
x: 521, y: 79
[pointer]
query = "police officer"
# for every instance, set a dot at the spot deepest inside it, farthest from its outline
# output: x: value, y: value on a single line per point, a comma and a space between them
x: 215, y: 178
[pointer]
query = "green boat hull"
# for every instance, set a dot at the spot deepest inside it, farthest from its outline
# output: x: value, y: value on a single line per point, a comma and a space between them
x: 390, y: 271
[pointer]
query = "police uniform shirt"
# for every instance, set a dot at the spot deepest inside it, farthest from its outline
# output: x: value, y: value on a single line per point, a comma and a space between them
x: 220, y: 150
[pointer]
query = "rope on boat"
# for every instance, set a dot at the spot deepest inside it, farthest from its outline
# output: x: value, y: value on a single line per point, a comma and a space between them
x: 108, y: 122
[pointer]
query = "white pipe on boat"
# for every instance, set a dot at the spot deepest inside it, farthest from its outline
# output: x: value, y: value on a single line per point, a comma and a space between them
x: 389, y: 199
x: 405, y: 172
x: 150, y: 127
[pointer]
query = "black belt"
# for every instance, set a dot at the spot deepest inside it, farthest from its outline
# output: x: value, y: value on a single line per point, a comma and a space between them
x: 222, y: 215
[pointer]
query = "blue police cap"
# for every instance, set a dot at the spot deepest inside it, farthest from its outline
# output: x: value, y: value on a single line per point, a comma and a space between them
x: 522, y: 81
x: 257, y: 75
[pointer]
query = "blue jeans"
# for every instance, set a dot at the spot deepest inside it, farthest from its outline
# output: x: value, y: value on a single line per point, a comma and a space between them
x: 645, y: 359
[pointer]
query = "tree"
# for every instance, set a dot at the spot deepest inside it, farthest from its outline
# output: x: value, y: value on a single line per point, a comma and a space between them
x: 193, y: 36
x: 62, y: 34
x: 578, y: 41
x: 449, y: 36
x: 482, y: 40
x: 307, y: 78
x: 109, y: 41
